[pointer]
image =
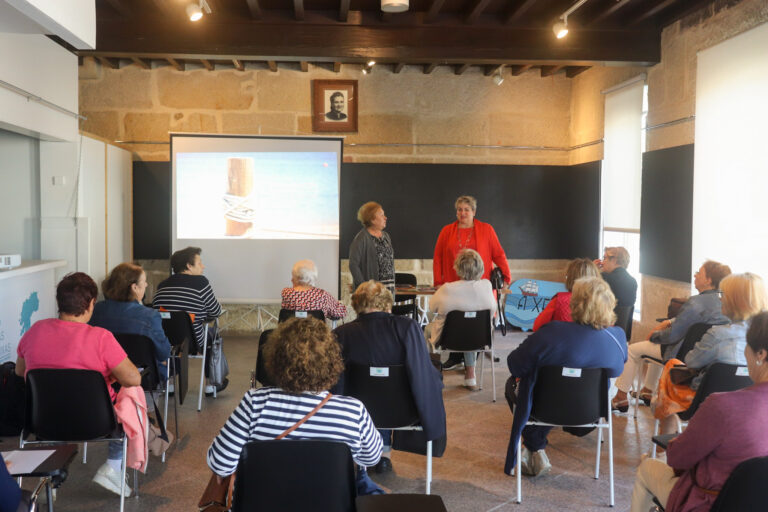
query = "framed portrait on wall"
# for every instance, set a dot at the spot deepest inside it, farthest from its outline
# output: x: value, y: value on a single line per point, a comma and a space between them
x: 334, y: 105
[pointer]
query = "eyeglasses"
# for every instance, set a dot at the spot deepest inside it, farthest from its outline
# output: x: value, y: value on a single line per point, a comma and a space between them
x: 607, y: 257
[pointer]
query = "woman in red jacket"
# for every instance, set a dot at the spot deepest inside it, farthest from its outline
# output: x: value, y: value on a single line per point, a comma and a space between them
x: 559, y: 307
x: 467, y: 233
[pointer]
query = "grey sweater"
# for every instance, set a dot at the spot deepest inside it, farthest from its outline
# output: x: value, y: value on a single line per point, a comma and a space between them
x: 363, y: 262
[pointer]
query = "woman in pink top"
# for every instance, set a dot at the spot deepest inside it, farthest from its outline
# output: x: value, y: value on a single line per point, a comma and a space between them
x: 728, y: 428
x: 68, y: 342
x: 559, y: 307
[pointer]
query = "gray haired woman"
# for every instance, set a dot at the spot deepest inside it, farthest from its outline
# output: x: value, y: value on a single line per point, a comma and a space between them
x: 470, y: 293
x: 371, y: 255
x: 304, y: 296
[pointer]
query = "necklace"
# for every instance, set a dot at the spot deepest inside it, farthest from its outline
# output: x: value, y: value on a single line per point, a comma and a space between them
x: 466, y: 242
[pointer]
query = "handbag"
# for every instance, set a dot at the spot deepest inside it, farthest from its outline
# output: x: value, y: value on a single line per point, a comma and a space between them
x: 217, y: 496
x: 218, y: 368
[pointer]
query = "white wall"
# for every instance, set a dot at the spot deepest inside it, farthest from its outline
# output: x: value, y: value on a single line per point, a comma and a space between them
x: 19, y: 195
x: 72, y: 20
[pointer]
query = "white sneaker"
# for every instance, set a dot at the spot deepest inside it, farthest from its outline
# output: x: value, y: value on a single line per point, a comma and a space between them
x: 109, y: 479
x: 525, y: 461
x: 540, y: 464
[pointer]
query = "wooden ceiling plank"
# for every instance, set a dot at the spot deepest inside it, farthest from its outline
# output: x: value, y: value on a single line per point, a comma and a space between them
x: 337, y: 67
x: 606, y: 13
x: 518, y: 70
x: 344, y: 11
x: 550, y: 70
x: 517, y: 12
x: 176, y: 64
x: 120, y: 7
x: 653, y: 11
x: 254, y: 8
x: 109, y: 63
x: 434, y: 10
x: 429, y: 68
x: 572, y: 71
x: 298, y: 9
x: 207, y: 64
x: 272, y: 65
x: 476, y: 10
x: 398, y: 67
x: 162, y: 6
x: 460, y: 69
x: 489, y: 70
x: 238, y: 64
x: 141, y: 63
x: 304, y: 65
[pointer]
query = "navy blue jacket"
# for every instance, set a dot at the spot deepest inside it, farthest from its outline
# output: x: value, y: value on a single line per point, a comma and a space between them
x: 10, y: 494
x: 384, y: 339
x: 130, y: 317
x: 560, y: 344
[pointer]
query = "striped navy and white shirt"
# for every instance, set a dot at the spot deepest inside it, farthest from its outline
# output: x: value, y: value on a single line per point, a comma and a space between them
x: 191, y: 294
x: 265, y: 413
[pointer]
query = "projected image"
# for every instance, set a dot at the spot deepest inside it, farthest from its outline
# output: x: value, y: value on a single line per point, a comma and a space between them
x: 257, y: 195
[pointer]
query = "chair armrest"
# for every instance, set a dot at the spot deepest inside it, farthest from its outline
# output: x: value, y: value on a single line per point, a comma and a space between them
x: 664, y: 439
x: 652, y: 360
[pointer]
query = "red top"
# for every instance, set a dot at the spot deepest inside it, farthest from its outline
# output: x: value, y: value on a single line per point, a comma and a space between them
x: 558, y: 308
x: 481, y: 238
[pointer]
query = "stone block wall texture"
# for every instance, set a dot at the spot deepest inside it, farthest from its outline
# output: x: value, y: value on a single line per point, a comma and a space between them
x: 415, y: 113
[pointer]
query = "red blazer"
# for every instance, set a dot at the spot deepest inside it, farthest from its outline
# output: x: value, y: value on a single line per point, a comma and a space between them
x: 487, y: 244
x: 558, y: 308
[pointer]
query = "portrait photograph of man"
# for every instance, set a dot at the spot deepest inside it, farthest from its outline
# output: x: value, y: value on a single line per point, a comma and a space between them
x: 337, y: 104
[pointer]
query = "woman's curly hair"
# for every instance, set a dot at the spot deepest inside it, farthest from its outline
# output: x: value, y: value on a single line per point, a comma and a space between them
x: 303, y: 355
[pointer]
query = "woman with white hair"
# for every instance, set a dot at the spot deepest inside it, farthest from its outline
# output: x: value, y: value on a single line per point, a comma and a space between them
x: 470, y: 293
x: 304, y: 296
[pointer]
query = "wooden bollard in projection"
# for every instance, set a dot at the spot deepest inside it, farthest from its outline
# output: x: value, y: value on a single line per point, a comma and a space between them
x: 240, y: 185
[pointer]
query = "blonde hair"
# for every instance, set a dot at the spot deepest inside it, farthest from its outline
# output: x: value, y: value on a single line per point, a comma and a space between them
x: 743, y: 296
x: 471, y: 201
x: 371, y: 296
x: 469, y: 265
x: 578, y: 268
x: 621, y: 255
x: 592, y: 303
x: 367, y: 212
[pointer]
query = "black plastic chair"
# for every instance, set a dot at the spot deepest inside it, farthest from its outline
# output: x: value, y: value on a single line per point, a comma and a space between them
x: 141, y: 351
x: 261, y: 371
x: 286, y: 314
x: 745, y: 488
x: 295, y: 476
x: 624, y: 316
x: 405, y: 304
x: 572, y: 397
x: 66, y: 406
x: 718, y: 378
x: 386, y: 393
x: 469, y: 331
x: 400, y: 503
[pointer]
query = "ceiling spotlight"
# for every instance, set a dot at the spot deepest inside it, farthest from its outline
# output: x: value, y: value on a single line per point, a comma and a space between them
x: 195, y: 10
x: 498, y: 79
x: 371, y: 63
x: 560, y: 28
x: 368, y: 68
x: 394, y: 5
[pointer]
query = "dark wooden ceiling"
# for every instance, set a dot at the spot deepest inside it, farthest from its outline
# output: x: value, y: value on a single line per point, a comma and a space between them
x: 459, y: 33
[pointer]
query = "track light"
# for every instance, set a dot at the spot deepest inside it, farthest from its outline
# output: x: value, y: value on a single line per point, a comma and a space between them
x: 195, y: 10
x: 560, y: 28
x: 394, y: 5
x: 498, y: 79
x: 371, y: 63
x: 368, y: 66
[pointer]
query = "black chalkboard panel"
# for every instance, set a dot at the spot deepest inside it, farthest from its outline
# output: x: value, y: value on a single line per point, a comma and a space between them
x: 537, y: 211
x: 151, y: 210
x: 666, y: 218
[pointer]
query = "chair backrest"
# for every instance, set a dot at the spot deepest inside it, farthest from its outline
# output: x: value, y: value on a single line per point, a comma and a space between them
x: 178, y: 328
x: 692, y: 337
x: 400, y: 503
x: 404, y: 278
x: 464, y: 331
x: 285, y: 314
x: 141, y: 351
x: 624, y: 316
x: 570, y: 396
x: 68, y: 405
x: 385, y: 391
x: 745, y: 488
x: 294, y: 476
x: 261, y: 370
x: 718, y: 378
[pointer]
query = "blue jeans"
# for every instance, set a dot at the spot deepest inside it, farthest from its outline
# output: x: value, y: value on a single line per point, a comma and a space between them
x: 386, y: 439
x: 115, y: 450
x: 470, y: 358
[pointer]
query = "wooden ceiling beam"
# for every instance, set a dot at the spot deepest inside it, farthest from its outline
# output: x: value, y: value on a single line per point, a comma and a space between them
x: 429, y: 68
x: 337, y: 67
x: 653, y: 11
x: 298, y: 9
x: 272, y: 65
x: 461, y: 68
x: 550, y: 70
x: 434, y: 10
x: 518, y: 70
x: 304, y: 66
x: 238, y: 64
x: 109, y: 63
x: 343, y: 11
x: 176, y: 64
x: 476, y: 10
x: 572, y: 71
x: 490, y: 70
x: 254, y: 8
x: 612, y: 9
x: 398, y: 67
x: 207, y: 64
x: 518, y: 9
x: 141, y: 63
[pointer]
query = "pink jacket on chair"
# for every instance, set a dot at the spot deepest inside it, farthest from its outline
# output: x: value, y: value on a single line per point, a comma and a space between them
x: 131, y: 411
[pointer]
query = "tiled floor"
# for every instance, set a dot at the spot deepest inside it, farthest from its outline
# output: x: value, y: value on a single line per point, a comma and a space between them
x: 469, y: 476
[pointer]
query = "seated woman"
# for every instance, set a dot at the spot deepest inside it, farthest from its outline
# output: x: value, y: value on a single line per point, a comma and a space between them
x: 121, y: 311
x: 377, y: 337
x: 68, y: 342
x: 470, y: 293
x: 669, y: 334
x: 303, y: 296
x: 304, y: 359
x: 590, y: 341
x: 559, y: 307
x: 728, y: 428
x: 744, y: 296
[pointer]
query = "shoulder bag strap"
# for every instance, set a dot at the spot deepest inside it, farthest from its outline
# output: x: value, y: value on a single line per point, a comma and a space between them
x: 305, y: 418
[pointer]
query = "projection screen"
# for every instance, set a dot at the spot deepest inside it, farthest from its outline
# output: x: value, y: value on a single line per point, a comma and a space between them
x: 255, y: 205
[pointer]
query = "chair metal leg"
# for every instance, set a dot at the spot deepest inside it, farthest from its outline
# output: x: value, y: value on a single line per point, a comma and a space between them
x: 610, y: 454
x: 49, y: 495
x: 481, y: 368
x: 85, y: 452
x: 493, y: 375
x: 519, y: 470
x: 429, y: 466
x: 122, y: 479
x: 655, y: 433
x: 636, y: 384
x: 597, y: 452
x: 202, y: 369
x: 136, y: 483
x: 165, y: 405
